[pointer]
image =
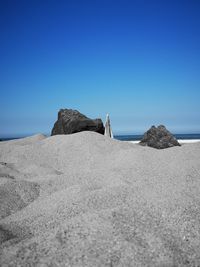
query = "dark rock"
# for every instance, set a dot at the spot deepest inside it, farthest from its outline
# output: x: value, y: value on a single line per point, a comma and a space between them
x: 159, y: 138
x: 72, y: 121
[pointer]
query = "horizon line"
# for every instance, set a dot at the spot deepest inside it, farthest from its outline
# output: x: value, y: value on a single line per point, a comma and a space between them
x: 115, y: 134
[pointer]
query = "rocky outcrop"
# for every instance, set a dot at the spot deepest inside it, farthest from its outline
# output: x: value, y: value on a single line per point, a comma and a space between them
x: 72, y: 121
x: 159, y: 137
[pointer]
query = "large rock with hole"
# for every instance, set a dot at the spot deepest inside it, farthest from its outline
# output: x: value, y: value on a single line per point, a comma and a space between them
x: 159, y: 137
x: 72, y: 121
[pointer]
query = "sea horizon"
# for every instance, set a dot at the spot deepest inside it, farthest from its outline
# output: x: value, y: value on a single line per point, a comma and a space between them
x: 121, y: 137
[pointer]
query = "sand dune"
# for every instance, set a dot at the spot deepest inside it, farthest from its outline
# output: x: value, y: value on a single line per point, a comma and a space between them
x: 87, y: 200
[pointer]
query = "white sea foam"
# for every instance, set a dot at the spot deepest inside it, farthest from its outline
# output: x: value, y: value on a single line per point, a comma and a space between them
x: 181, y: 141
x: 188, y: 141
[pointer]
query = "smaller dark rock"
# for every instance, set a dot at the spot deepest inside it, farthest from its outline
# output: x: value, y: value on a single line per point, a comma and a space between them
x: 159, y: 137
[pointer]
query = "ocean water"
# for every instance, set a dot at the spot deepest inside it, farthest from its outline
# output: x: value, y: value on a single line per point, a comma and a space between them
x: 139, y: 137
x: 130, y: 137
x: 9, y: 138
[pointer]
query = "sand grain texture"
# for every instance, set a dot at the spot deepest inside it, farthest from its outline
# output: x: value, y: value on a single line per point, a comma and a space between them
x: 87, y: 200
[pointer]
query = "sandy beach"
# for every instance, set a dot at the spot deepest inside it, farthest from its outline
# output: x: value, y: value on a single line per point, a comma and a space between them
x: 88, y: 200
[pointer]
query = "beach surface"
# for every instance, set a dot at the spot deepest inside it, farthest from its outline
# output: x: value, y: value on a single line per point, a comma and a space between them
x: 88, y: 200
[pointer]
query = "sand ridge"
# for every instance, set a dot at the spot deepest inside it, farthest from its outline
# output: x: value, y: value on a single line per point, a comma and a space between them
x: 89, y: 200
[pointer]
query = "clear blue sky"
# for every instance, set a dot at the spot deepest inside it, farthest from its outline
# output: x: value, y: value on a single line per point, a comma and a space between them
x: 137, y: 60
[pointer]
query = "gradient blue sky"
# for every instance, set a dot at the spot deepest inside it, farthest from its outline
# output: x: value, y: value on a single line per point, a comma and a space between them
x: 137, y: 60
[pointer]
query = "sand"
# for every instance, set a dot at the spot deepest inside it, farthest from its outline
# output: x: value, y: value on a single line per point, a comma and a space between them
x: 87, y: 200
